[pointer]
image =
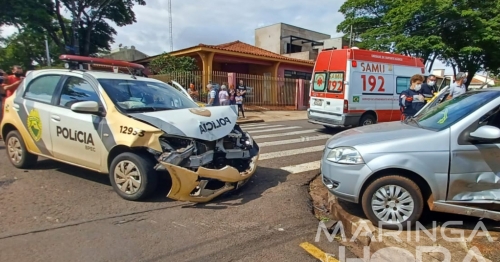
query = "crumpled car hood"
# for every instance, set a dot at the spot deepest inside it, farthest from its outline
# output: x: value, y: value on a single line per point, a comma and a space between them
x: 376, y: 133
x: 207, y: 123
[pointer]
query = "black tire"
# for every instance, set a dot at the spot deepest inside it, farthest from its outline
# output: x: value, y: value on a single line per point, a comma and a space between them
x: 145, y: 168
x: 367, y: 118
x: 407, y: 185
x: 27, y: 159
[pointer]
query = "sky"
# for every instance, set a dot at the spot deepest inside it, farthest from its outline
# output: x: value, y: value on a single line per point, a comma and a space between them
x: 222, y: 21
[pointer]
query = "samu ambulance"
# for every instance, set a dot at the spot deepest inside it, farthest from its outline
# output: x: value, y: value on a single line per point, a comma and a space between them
x: 355, y: 87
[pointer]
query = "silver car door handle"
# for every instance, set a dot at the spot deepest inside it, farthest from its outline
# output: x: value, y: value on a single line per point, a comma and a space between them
x: 55, y: 118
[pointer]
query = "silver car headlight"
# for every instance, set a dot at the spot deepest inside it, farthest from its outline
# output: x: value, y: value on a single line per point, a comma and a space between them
x: 345, y: 155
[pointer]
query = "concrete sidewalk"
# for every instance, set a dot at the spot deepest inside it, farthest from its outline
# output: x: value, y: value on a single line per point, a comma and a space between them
x: 270, y: 116
x: 391, y: 245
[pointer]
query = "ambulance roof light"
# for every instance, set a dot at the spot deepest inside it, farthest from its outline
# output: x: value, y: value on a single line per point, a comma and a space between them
x: 354, y: 47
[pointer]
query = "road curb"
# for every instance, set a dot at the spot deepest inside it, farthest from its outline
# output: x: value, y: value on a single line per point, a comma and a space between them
x: 367, y: 235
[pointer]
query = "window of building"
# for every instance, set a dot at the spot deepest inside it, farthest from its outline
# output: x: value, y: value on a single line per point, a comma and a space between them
x: 402, y: 84
x: 42, y: 88
x: 77, y: 90
x: 291, y: 48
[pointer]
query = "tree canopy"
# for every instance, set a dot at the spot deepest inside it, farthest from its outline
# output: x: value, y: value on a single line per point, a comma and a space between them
x: 464, y: 34
x: 95, y: 34
x: 165, y: 64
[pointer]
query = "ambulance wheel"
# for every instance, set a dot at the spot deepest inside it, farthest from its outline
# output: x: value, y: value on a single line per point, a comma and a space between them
x: 367, y: 119
x: 17, y: 152
x: 133, y: 176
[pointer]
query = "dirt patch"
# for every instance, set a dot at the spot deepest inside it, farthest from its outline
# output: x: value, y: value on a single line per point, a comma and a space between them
x: 319, y: 195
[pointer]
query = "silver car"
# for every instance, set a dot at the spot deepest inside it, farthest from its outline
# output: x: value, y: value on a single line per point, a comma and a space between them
x: 446, y: 158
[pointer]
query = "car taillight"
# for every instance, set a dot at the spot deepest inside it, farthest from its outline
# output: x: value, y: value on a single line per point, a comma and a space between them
x: 346, y: 106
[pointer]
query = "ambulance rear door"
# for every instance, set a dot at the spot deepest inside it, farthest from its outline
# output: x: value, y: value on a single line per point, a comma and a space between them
x: 327, y: 93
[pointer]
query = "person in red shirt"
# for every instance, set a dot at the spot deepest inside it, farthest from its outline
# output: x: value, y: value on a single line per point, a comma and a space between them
x: 11, y: 83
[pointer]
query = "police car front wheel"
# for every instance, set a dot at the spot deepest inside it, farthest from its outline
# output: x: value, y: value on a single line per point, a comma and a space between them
x: 133, y: 176
x: 17, y: 152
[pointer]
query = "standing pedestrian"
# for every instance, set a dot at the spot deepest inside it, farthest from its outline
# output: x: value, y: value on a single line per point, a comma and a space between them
x: 458, y: 87
x: 428, y: 88
x: 239, y: 102
x: 223, y: 96
x: 3, y: 76
x: 412, y: 100
x: 193, y: 92
x: 242, y: 88
x: 13, y: 80
x: 232, y: 95
x: 211, y: 95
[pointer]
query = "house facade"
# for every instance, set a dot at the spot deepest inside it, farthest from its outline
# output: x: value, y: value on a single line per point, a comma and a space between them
x: 242, y: 58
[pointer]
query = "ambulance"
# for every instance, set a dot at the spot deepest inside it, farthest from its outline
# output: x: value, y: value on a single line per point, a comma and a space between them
x: 356, y: 87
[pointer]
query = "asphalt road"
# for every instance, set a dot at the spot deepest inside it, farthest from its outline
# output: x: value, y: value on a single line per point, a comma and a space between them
x: 58, y: 212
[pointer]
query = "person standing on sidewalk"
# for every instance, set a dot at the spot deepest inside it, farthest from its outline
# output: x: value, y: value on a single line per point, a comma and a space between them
x: 232, y: 95
x: 13, y: 80
x: 211, y: 95
x: 458, y: 87
x: 239, y: 102
x: 223, y: 96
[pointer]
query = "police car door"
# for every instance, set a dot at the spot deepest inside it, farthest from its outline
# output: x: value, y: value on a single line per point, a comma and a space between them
x: 75, y: 135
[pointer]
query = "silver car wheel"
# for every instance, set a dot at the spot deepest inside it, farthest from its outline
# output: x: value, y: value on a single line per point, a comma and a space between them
x: 127, y: 177
x: 14, y: 149
x: 392, y: 204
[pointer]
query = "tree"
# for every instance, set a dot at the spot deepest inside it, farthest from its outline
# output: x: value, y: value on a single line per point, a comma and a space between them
x: 165, y: 64
x: 90, y: 17
x: 25, y: 48
x: 464, y: 33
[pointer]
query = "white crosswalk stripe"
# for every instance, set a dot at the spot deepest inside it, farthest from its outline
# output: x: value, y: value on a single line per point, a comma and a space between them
x: 295, y: 140
x: 274, y: 129
x: 259, y: 127
x: 285, y: 134
x: 294, y: 169
x: 291, y: 152
x: 288, y: 147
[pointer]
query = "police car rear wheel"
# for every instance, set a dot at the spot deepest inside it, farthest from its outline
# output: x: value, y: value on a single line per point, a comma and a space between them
x: 133, y: 176
x: 393, y: 202
x: 17, y: 152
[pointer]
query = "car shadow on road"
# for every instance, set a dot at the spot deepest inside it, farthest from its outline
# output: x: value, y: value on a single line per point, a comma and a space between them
x: 264, y: 179
x: 332, y: 131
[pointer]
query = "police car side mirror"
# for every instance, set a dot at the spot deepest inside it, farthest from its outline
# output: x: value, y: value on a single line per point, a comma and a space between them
x: 86, y: 107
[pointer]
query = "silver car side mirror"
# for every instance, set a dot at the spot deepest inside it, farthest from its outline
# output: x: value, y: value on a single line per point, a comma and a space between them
x: 485, y: 133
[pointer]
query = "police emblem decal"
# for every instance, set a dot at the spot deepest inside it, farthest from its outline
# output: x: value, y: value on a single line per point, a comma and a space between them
x: 34, y: 125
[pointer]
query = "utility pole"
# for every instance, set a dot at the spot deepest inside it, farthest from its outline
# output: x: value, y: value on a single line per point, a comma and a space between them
x: 170, y: 34
x: 76, y: 39
x: 47, y: 51
x: 350, y: 38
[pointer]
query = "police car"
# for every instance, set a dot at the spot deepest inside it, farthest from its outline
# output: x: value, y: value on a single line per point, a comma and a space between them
x: 131, y: 128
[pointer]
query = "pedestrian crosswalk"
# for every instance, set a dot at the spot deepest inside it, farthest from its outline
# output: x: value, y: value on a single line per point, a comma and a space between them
x: 294, y: 147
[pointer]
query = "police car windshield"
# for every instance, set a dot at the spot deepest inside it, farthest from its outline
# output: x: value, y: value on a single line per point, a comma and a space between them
x: 135, y: 95
x: 449, y: 112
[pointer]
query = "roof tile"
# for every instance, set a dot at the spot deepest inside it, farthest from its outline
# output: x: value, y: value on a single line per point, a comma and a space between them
x: 240, y: 47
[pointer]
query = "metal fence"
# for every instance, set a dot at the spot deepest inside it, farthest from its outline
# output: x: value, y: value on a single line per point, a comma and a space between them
x: 263, y: 92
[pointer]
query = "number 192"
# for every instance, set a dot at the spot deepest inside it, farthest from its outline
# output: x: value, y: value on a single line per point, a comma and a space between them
x: 372, y: 82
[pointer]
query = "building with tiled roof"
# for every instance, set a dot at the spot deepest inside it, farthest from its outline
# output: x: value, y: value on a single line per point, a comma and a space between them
x: 242, y: 58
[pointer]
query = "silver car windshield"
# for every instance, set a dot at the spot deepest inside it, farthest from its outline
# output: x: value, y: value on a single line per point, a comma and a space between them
x: 451, y: 111
x: 142, y: 96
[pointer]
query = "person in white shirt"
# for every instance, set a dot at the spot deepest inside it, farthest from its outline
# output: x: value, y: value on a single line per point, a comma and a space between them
x: 223, y: 96
x: 458, y: 87
x: 211, y: 95
x: 239, y: 102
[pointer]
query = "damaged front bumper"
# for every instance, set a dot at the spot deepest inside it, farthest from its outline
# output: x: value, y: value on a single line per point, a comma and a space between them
x: 185, y: 181
x: 203, y: 170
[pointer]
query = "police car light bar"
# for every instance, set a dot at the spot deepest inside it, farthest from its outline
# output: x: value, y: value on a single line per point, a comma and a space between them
x: 78, y: 61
